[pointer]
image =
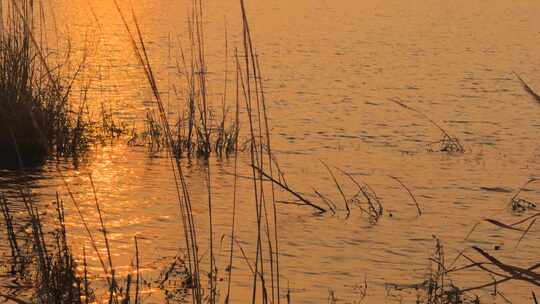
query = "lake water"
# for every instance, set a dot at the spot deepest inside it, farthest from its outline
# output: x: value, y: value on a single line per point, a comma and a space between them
x: 331, y: 69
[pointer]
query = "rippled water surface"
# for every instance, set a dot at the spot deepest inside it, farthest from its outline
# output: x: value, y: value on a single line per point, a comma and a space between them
x: 331, y: 69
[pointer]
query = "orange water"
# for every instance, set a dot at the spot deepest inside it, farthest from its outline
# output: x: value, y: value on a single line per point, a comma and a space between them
x: 330, y: 69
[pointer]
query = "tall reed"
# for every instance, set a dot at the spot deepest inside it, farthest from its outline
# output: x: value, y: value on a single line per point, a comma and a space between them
x: 198, y: 131
x: 37, y: 117
x: 249, y: 90
x: 49, y: 262
x: 49, y: 265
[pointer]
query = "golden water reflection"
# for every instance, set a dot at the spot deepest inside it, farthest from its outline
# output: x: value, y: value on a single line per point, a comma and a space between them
x: 330, y: 69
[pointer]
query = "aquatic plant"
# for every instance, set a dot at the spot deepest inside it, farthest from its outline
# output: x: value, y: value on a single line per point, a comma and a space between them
x: 197, y: 139
x: 204, y: 124
x: 48, y: 264
x: 438, y: 287
x: 45, y: 261
x: 37, y: 118
x: 448, y: 143
x: 520, y: 205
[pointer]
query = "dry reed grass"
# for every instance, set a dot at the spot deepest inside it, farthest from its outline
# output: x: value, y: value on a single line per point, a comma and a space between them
x: 57, y: 278
x: 37, y: 117
x: 249, y: 88
x: 44, y: 260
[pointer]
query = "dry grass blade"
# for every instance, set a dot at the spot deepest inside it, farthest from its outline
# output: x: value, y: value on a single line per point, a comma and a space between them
x: 87, y: 229
x: 410, y: 193
x: 508, y: 227
x: 331, y: 205
x: 484, y: 266
x: 10, y: 231
x: 503, y: 225
x: 104, y: 231
x: 526, y: 219
x: 338, y: 187
x: 401, y: 104
x: 525, y: 232
x: 527, y: 88
x: 375, y: 207
x: 472, y: 230
x: 184, y: 201
x: 294, y: 193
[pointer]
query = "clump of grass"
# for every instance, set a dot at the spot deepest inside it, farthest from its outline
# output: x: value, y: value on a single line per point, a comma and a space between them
x: 448, y: 143
x: 175, y: 280
x: 360, y: 291
x: 110, y: 128
x: 365, y: 198
x: 152, y: 137
x: 200, y: 131
x: 437, y: 288
x: 37, y: 117
x: 191, y: 134
x: 57, y: 277
x: 198, y: 140
x: 204, y: 125
x: 48, y: 265
x: 499, y: 272
x: 520, y: 205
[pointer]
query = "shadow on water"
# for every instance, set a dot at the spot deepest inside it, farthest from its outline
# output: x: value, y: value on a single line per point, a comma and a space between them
x: 10, y: 159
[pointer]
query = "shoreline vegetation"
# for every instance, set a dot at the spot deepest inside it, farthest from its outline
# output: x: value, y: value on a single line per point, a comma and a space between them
x: 38, y: 121
x: 37, y: 118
